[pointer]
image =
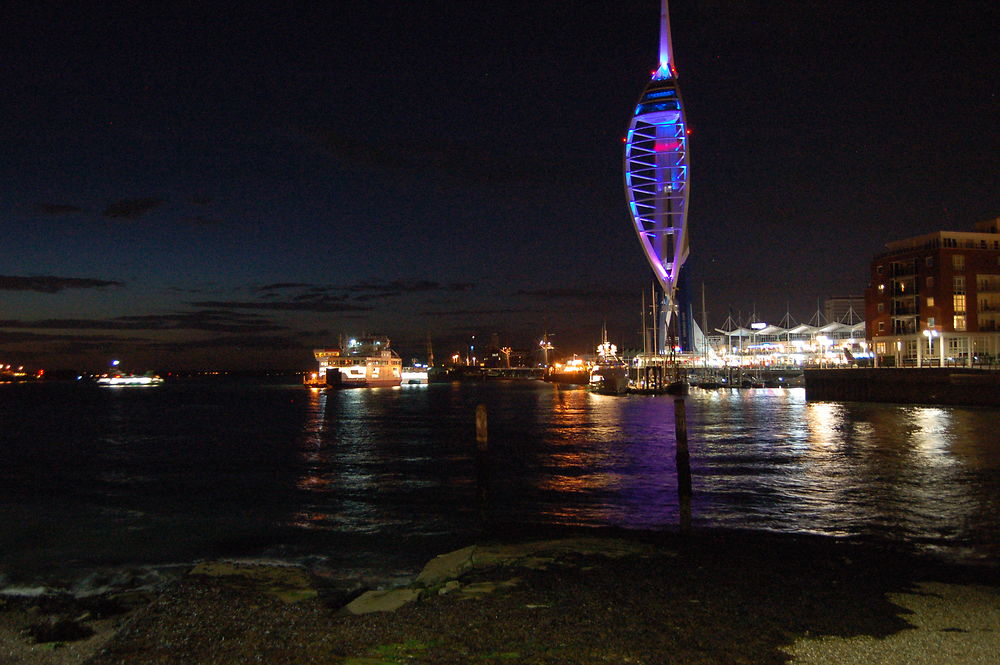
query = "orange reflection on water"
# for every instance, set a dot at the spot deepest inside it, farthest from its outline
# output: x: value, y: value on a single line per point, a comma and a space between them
x: 825, y: 421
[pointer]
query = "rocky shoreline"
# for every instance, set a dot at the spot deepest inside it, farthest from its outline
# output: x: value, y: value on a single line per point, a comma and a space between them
x: 702, y: 597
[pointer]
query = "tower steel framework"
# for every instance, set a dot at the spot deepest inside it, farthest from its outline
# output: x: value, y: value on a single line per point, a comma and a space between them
x: 656, y: 174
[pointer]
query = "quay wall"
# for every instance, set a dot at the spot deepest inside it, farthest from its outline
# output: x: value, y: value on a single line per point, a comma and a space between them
x: 930, y: 385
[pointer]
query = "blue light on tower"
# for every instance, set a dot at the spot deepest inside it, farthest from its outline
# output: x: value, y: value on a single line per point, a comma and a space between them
x: 656, y: 174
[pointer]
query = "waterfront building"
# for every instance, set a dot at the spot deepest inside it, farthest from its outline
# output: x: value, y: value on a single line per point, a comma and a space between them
x: 799, y: 345
x: 656, y: 176
x: 934, y: 300
x: 846, y: 309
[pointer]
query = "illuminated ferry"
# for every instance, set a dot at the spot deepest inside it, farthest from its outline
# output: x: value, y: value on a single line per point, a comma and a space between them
x: 129, y: 380
x: 367, y: 362
x: 118, y: 378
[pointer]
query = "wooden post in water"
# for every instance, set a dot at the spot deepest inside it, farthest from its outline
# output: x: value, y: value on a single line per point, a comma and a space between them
x: 482, y: 438
x: 482, y: 465
x: 683, y: 460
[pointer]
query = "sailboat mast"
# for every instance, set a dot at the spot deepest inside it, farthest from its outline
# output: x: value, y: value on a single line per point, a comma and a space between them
x: 645, y: 333
x: 656, y: 323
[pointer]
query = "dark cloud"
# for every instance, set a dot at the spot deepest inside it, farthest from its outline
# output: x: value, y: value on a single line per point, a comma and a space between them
x: 56, y: 209
x: 376, y: 290
x: 268, y: 342
x: 19, y: 337
x: 362, y: 291
x: 471, y: 312
x: 52, y: 284
x: 205, y: 320
x: 572, y: 293
x: 201, y: 200
x: 397, y: 285
x: 284, y: 285
x: 368, y: 297
x: 314, y: 304
x: 131, y: 208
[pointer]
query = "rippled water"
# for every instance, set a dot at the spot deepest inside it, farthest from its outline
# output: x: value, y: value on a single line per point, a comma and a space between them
x: 367, y: 478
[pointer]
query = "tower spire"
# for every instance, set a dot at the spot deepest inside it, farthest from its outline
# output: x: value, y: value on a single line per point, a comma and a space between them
x: 666, y: 69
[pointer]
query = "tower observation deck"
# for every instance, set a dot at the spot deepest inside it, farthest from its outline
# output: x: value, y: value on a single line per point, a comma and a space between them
x: 656, y: 174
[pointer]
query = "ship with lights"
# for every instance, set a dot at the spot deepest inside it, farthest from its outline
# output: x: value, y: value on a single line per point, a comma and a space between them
x: 116, y: 377
x: 609, y: 373
x: 18, y: 374
x: 366, y: 362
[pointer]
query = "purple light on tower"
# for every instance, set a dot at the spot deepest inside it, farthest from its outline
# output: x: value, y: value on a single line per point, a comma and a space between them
x: 656, y: 174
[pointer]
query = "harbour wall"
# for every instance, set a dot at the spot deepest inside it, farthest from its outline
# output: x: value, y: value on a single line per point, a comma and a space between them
x: 932, y: 385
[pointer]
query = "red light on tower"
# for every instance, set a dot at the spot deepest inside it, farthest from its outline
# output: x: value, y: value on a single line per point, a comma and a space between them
x: 667, y: 146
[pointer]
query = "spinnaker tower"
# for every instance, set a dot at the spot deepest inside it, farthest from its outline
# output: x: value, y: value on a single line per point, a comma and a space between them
x: 656, y: 174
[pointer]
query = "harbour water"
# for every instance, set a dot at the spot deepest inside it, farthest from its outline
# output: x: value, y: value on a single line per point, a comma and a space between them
x: 101, y: 486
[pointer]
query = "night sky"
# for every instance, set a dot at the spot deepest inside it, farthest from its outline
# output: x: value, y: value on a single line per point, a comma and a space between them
x: 201, y: 185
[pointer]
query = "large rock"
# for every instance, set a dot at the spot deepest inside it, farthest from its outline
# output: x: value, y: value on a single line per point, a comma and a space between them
x: 382, y: 601
x: 446, y: 567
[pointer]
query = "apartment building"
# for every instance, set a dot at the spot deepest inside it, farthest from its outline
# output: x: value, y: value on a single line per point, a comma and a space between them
x: 934, y: 300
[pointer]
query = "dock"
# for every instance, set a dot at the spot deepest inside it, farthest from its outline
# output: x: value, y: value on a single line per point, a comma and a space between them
x: 957, y: 386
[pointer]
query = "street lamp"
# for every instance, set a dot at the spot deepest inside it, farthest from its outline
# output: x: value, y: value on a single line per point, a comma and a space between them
x: 930, y: 334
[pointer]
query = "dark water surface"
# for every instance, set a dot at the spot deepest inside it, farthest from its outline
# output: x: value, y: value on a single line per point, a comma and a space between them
x: 374, y: 481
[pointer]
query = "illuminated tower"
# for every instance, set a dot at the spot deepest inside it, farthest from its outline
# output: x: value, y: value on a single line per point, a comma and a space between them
x: 656, y: 174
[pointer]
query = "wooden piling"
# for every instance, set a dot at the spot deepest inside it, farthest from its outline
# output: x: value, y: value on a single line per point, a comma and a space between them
x: 482, y: 467
x: 683, y: 457
x: 482, y: 438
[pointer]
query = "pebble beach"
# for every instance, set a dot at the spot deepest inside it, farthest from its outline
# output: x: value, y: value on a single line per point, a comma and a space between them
x: 695, y: 598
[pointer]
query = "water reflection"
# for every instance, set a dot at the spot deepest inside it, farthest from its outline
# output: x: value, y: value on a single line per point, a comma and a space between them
x: 401, y: 462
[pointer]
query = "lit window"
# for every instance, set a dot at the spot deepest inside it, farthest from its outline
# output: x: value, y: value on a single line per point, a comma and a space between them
x: 959, y: 322
x: 930, y: 301
x: 958, y: 302
x: 958, y: 261
x: 881, y: 288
